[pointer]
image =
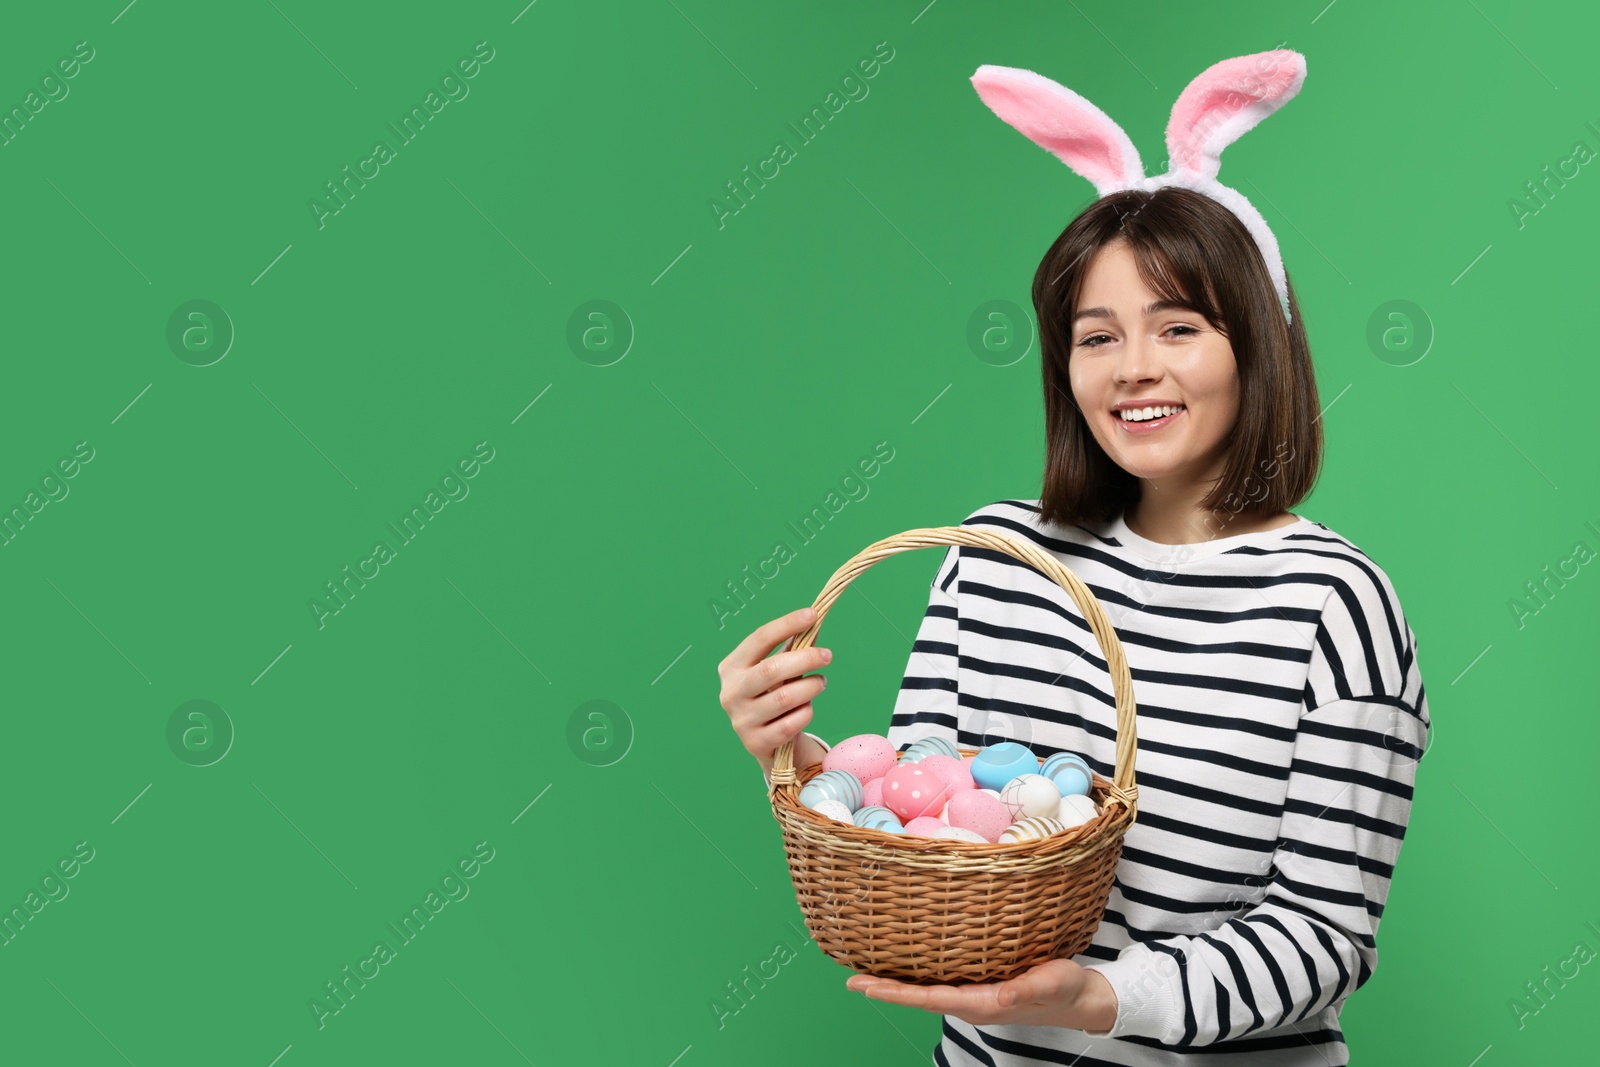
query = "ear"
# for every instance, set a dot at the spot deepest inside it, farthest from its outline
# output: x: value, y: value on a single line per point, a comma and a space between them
x: 1226, y: 101
x: 1060, y: 121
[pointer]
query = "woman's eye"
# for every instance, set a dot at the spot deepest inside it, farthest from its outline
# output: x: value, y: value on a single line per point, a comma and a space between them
x: 1086, y: 342
x: 1191, y: 329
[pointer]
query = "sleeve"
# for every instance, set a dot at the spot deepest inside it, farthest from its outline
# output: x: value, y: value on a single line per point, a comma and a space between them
x: 927, y: 702
x: 1311, y: 940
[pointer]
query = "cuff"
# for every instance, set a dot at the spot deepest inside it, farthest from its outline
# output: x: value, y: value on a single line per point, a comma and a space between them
x: 825, y: 748
x: 1149, y: 994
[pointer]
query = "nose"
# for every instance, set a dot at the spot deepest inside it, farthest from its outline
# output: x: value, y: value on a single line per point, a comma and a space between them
x: 1137, y: 361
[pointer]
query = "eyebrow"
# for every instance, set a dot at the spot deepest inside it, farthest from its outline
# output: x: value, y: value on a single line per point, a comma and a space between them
x: 1152, y: 309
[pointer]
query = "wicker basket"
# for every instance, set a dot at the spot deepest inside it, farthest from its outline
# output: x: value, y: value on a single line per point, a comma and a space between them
x: 926, y: 910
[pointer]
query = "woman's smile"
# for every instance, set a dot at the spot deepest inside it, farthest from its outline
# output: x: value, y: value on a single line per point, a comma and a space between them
x: 1142, y: 427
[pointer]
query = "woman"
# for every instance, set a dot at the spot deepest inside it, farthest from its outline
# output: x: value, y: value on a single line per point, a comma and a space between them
x: 1281, y: 711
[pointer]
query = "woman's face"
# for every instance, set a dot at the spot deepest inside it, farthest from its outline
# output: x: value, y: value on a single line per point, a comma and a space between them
x: 1120, y: 353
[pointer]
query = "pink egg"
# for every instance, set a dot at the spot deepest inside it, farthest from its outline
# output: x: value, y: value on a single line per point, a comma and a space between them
x: 944, y: 812
x: 911, y: 790
x: 979, y: 811
x: 867, y: 756
x: 873, y: 791
x: 952, y: 770
x: 926, y: 826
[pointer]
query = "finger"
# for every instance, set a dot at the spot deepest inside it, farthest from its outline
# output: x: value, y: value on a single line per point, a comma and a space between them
x: 787, y: 728
x: 766, y: 676
x: 786, y: 696
x: 944, y: 999
x: 766, y: 637
x: 1031, y: 986
x: 750, y: 711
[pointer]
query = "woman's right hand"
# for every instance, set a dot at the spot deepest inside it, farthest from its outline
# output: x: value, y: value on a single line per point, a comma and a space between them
x: 767, y: 700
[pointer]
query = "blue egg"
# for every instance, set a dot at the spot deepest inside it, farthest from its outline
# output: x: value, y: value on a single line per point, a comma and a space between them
x: 833, y: 785
x: 877, y: 817
x: 998, y: 764
x: 929, y: 746
x: 1070, y: 772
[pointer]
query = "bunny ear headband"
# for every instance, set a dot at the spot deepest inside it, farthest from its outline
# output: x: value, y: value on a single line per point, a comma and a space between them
x: 1227, y: 100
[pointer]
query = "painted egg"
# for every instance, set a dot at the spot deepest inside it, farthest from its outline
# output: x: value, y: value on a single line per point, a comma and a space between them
x: 1030, y: 830
x: 910, y: 791
x: 929, y: 746
x: 1030, y: 796
x: 926, y: 826
x: 867, y: 756
x: 951, y: 770
x: 998, y: 764
x: 833, y: 810
x: 960, y: 833
x: 1077, y: 809
x: 980, y: 811
x: 1070, y: 772
x: 833, y: 785
x: 872, y: 793
x: 876, y: 818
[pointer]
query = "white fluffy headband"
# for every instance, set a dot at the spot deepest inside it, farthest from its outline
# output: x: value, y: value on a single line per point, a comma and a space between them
x: 1226, y: 100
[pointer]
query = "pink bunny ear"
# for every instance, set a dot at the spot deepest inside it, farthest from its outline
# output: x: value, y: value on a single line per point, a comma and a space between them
x: 1226, y: 101
x: 1060, y: 121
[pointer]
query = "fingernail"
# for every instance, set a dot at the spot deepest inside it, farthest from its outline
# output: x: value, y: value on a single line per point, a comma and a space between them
x: 827, y: 655
x: 824, y: 681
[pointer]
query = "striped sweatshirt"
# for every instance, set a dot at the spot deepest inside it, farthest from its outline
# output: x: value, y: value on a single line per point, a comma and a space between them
x: 1280, y: 720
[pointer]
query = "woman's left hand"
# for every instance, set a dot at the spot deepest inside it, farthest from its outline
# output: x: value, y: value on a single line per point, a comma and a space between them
x: 1056, y: 993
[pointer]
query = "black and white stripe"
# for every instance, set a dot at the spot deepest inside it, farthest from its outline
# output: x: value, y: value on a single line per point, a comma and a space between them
x: 1281, y: 716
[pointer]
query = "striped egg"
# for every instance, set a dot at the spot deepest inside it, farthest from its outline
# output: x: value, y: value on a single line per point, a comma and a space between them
x: 1070, y: 773
x: 833, y: 785
x: 1030, y: 830
x: 929, y: 746
x: 878, y: 818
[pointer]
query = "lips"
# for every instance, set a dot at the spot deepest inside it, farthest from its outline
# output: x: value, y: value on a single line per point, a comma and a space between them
x: 1149, y: 426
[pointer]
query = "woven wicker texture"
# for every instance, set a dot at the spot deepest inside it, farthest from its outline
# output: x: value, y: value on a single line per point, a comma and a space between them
x: 935, y: 911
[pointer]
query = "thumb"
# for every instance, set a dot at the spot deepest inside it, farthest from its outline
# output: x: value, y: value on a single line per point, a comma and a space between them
x: 1011, y: 992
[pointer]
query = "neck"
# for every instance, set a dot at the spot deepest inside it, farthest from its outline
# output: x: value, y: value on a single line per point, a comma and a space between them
x: 1171, y: 514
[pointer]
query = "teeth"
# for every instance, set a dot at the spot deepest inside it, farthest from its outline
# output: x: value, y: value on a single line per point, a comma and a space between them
x: 1144, y: 414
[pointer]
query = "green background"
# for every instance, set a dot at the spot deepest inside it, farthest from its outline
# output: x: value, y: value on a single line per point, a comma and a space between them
x: 637, y: 869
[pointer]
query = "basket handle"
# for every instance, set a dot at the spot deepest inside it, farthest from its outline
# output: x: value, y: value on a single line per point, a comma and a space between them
x: 1123, y: 789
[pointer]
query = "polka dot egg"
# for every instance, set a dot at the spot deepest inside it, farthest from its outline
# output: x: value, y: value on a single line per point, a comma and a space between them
x: 912, y: 791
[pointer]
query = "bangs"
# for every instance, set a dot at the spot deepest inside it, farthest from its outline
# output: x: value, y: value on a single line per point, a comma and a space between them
x: 1185, y: 281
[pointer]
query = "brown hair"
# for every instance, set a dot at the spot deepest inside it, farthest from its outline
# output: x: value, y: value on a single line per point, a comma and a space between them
x: 1191, y: 248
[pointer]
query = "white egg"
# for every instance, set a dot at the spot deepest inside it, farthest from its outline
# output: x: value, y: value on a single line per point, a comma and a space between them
x: 1077, y: 809
x: 1031, y: 796
x: 835, y: 810
x: 960, y: 833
